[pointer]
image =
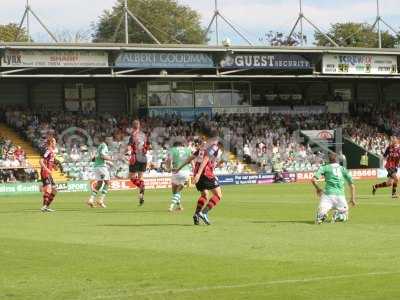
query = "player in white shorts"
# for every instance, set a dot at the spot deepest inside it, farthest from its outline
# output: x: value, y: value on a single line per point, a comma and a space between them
x: 333, y: 197
x: 178, y: 154
x: 181, y: 177
x: 102, y: 173
x: 102, y: 162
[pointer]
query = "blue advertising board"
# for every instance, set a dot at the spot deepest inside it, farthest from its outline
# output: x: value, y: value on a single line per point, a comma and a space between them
x: 185, y: 113
x: 266, y: 61
x: 263, y: 178
x: 164, y: 60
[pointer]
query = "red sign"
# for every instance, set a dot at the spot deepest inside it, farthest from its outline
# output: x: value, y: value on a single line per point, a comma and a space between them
x: 356, y: 174
x: 304, y: 176
x: 364, y: 173
x: 325, y: 135
x: 150, y: 183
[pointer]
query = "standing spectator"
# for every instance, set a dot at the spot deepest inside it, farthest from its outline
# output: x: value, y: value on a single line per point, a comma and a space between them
x: 20, y: 156
x: 364, y: 160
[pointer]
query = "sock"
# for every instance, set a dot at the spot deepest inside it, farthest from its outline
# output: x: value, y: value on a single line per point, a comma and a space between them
x: 176, y: 199
x: 51, y: 198
x: 93, y: 195
x: 104, y: 190
x: 200, y: 204
x: 394, y: 188
x: 46, y: 198
x: 381, y: 185
x: 102, y: 198
x: 141, y: 186
x: 92, y: 198
x: 211, y: 203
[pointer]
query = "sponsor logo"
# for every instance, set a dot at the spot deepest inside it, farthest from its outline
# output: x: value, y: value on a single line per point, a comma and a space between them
x: 325, y: 135
x: 305, y: 176
x: 364, y: 173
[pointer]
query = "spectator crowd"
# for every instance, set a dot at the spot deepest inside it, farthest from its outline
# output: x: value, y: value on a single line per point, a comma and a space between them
x: 265, y: 142
x: 13, y: 165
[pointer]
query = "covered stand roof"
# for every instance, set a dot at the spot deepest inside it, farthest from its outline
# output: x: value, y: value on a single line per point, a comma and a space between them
x: 114, y: 52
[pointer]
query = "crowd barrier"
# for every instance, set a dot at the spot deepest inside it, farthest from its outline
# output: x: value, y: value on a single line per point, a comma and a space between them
x: 160, y: 182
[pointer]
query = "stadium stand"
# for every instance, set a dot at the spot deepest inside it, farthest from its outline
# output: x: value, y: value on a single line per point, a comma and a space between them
x: 13, y: 163
x: 258, y: 142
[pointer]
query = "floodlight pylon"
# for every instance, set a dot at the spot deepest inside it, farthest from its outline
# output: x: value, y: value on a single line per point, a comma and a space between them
x: 300, y: 20
x: 377, y: 24
x: 26, y: 16
x: 214, y: 18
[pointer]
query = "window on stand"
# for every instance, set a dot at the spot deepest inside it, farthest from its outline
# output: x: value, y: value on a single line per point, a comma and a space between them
x: 88, y: 98
x: 240, y: 93
x: 141, y: 94
x: 182, y: 94
x: 204, y: 95
x: 80, y: 97
x: 262, y: 95
x: 223, y: 94
x: 159, y: 93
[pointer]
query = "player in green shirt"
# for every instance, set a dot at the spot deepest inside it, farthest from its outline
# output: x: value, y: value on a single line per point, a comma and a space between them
x: 102, y: 161
x: 178, y: 155
x: 333, y: 196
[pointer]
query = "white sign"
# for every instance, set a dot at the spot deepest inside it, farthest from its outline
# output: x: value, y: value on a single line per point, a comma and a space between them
x: 54, y: 59
x: 241, y: 110
x: 359, y: 64
x: 321, y: 135
x: 344, y: 94
x: 298, y: 110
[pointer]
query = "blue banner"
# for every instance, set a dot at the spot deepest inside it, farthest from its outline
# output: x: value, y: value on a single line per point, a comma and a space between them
x: 164, y: 60
x: 185, y: 113
x: 264, y: 178
x: 266, y: 61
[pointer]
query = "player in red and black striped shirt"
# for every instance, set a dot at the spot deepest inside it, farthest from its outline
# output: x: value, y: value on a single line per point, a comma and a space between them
x: 392, y: 155
x: 47, y: 165
x: 137, y: 150
x: 205, y: 160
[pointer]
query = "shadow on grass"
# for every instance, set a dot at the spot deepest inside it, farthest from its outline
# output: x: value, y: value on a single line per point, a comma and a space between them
x: 38, y: 211
x: 86, y: 210
x: 124, y: 211
x: 143, y: 225
x: 289, y: 221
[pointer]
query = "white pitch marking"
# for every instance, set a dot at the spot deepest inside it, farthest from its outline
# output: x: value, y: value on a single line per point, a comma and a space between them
x: 237, y: 286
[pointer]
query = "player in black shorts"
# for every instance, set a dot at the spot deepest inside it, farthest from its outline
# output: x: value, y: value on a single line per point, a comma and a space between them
x: 138, y: 147
x: 205, y: 161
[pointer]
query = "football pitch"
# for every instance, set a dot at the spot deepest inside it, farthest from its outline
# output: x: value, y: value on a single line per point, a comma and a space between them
x: 262, y: 245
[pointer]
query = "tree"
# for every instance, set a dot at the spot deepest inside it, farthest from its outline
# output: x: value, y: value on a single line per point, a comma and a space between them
x: 78, y: 36
x: 166, y: 19
x: 11, y: 33
x: 279, y: 39
x: 356, y: 35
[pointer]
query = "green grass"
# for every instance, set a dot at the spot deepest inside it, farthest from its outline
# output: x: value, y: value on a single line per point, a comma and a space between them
x: 262, y: 245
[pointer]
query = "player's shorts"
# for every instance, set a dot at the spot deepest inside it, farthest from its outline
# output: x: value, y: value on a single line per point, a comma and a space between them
x: 206, y: 183
x: 138, y: 167
x: 328, y: 202
x: 48, y: 181
x: 102, y: 173
x: 180, y: 178
x: 391, y: 172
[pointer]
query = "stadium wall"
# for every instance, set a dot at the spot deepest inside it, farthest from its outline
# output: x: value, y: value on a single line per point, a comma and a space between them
x: 161, y: 182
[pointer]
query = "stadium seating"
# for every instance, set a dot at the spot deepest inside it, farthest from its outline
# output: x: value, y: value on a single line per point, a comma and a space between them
x: 32, y: 155
x: 257, y: 142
